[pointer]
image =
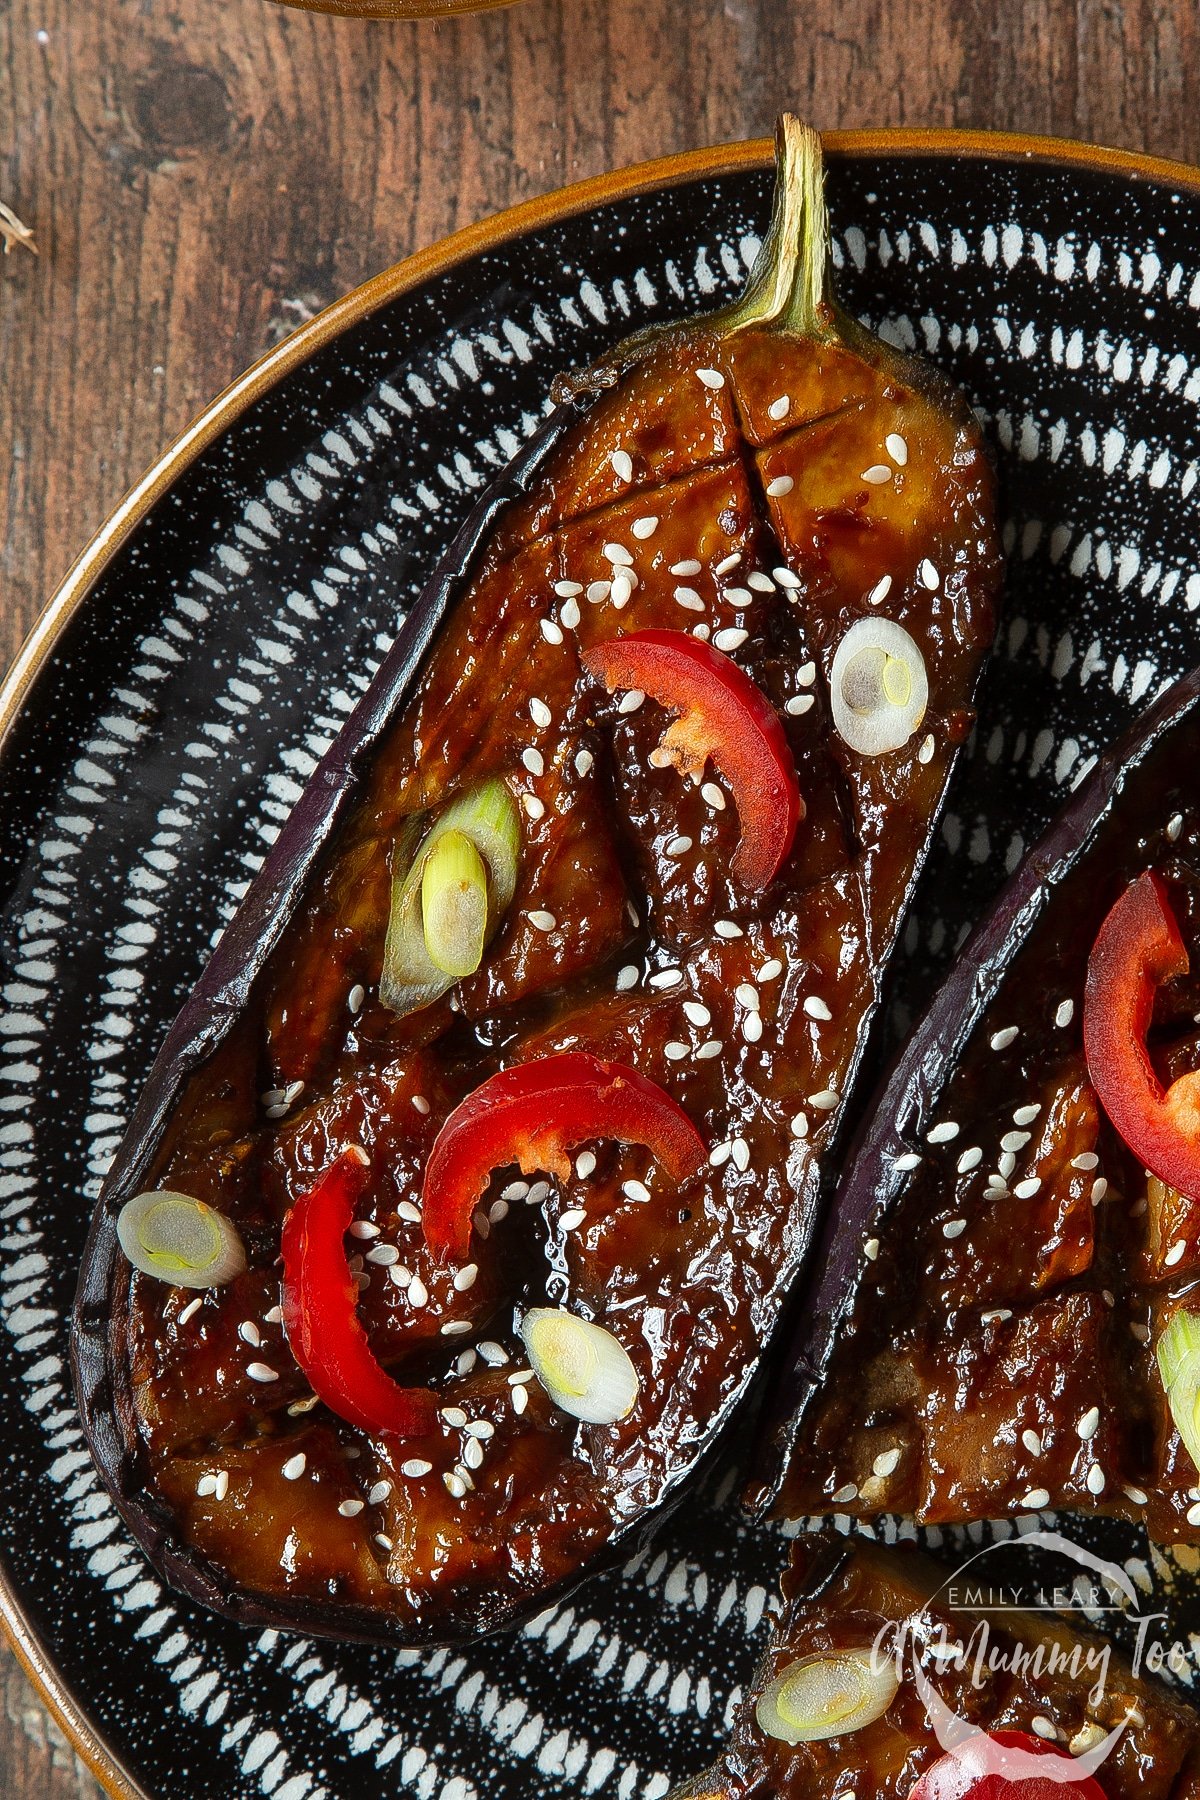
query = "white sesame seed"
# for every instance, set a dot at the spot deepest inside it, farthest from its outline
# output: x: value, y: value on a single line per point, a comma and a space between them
x: 688, y: 598
x: 725, y: 928
x: 825, y: 1100
x: 752, y: 1027
x: 778, y: 409
x: 550, y: 631
x: 598, y: 591
x: 261, y: 1371
x: 1085, y: 1161
x: 1088, y: 1425
x: 770, y: 970
x: 712, y: 793
x: 806, y: 674
x: 400, y: 1275
x: 705, y: 1052
x: 379, y: 1493
x: 880, y: 591
x: 383, y: 1255
x: 644, y: 527
x: 799, y: 704
x: 712, y: 378
x: 498, y: 1210
x: 635, y: 1190
x: 896, y: 448
x: 732, y: 638
x: 1035, y: 1498
x: 787, y: 578
x: 816, y: 1008
x: 455, y: 1327
x: 464, y: 1362
x: 455, y: 1485
x: 849, y: 1491
x: 679, y: 846
x: 570, y: 1219
x: 928, y: 574
x: 206, y: 1485
x: 675, y: 1051
x: 739, y: 596
x: 747, y: 995
x: 583, y: 762
x: 617, y: 555
x: 1044, y: 1727
x: 1032, y: 1442
x: 534, y: 761
x: 761, y: 584
x: 350, y: 1509
x: 1025, y: 1190
x: 585, y: 1164
x: 970, y: 1159
x: 954, y: 1229
x: 569, y: 614
x: 364, y: 1228
x: 568, y: 590
x: 1000, y: 1040
x: 1193, y: 1514
x: 741, y: 1154
x: 1095, y: 1479
x: 622, y: 465
x: 495, y: 1355
x: 540, y: 713
x: 925, y: 753
x: 1008, y: 1163
x: 1099, y: 1190
x: 1174, y: 827
x: 249, y: 1333
x: 1064, y: 1013
x: 665, y: 978
x: 886, y: 1463
x: 695, y: 1013
x: 997, y: 1316
x: 465, y: 1278
x: 943, y: 1134
x: 1014, y: 1140
x: 541, y: 920
x: 516, y: 1190
x: 781, y: 485
x: 481, y: 1428
x: 415, y: 1467
x: 800, y: 1125
x: 520, y: 1400
x: 532, y: 806
x: 1136, y: 1494
x: 1175, y: 1253
x: 630, y: 702
x: 356, y: 997
x: 473, y: 1454
x: 688, y: 567
x: 877, y: 474
x: 871, y: 1249
x: 719, y: 1155
x: 454, y: 1416
x: 190, y: 1310
x: 418, y: 1293
x: 1025, y: 1115
x: 909, y: 1160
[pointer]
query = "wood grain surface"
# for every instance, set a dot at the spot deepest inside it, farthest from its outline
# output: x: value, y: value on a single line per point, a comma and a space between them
x: 203, y: 174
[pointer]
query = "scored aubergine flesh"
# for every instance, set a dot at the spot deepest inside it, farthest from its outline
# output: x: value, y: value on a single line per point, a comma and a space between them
x: 1031, y: 1678
x: 763, y: 479
x: 984, y: 1340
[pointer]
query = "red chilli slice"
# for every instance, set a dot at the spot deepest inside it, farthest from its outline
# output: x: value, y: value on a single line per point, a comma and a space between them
x: 722, y: 715
x: 532, y: 1115
x: 320, y: 1312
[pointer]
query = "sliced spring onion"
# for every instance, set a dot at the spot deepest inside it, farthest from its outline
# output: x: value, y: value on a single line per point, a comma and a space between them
x: 582, y: 1367
x: 1179, y: 1366
x: 827, y: 1695
x: 180, y: 1240
x: 433, y: 937
x: 878, y: 687
x: 454, y: 904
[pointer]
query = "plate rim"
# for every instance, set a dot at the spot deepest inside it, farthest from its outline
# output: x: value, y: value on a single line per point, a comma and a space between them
x: 17, y: 1628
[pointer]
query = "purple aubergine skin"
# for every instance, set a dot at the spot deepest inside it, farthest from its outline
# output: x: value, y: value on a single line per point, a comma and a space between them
x: 213, y: 1008
x: 910, y: 1094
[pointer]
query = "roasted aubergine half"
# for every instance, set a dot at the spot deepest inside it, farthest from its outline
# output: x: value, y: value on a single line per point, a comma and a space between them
x: 883, y: 1681
x: 467, y: 1191
x: 1009, y: 1319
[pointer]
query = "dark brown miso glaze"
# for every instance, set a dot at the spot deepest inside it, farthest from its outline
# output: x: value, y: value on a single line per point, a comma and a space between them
x: 1000, y: 1353
x: 841, y: 1596
x: 691, y: 1281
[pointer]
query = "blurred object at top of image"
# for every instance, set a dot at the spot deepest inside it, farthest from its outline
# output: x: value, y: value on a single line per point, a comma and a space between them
x: 396, y: 9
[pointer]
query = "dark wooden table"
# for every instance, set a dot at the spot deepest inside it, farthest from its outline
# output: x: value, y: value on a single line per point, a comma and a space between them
x: 203, y: 175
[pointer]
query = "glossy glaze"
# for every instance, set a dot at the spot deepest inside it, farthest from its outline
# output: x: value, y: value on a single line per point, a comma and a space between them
x: 1013, y: 1285
x: 847, y: 1596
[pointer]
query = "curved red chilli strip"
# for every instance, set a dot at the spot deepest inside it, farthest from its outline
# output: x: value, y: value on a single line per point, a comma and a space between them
x: 531, y: 1115
x: 320, y: 1312
x: 723, y: 715
x: 1137, y: 948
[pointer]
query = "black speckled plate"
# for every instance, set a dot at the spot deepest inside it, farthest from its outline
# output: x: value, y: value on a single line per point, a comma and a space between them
x: 210, y: 644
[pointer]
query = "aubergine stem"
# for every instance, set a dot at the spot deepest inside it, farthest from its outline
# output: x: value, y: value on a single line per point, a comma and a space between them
x: 789, y: 286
